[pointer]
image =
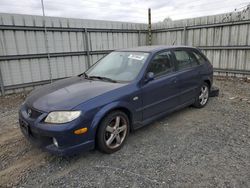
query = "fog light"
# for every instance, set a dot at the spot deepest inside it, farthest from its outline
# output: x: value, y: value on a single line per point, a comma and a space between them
x: 55, y: 142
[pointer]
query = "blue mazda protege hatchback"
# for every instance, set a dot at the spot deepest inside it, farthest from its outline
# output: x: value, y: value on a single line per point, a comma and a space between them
x: 123, y: 91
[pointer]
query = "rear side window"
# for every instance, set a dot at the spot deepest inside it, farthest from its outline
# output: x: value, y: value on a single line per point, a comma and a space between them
x: 161, y: 64
x: 184, y: 59
x: 199, y: 57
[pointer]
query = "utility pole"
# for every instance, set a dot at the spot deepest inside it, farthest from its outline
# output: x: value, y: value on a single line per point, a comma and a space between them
x: 46, y: 42
x: 149, y: 28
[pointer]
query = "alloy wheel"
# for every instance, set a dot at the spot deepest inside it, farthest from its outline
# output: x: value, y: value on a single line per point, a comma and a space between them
x: 115, y: 132
x: 204, y: 94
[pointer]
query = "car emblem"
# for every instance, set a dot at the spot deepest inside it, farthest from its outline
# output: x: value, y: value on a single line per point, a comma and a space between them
x: 29, y: 112
x: 135, y: 98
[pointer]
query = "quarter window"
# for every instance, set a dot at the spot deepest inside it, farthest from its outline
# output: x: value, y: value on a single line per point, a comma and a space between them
x: 199, y: 57
x: 184, y: 59
x: 161, y: 64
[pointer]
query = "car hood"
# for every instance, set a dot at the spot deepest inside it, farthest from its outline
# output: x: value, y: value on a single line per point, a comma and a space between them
x: 68, y: 93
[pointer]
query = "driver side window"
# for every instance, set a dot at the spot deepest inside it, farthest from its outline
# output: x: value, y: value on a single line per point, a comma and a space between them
x: 161, y: 64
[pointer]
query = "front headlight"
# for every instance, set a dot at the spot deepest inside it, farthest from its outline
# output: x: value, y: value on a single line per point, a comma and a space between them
x: 62, y: 116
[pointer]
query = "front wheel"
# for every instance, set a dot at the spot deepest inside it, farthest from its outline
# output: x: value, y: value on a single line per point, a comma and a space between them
x: 113, y: 132
x: 202, y: 99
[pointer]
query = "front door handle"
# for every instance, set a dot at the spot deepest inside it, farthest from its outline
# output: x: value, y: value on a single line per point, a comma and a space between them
x: 174, y: 80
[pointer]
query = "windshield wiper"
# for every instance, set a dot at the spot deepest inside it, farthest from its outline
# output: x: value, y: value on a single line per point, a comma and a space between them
x: 84, y: 75
x: 102, y: 78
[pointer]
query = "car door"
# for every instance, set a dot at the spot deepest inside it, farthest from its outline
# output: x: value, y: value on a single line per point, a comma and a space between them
x: 160, y: 94
x: 188, y: 74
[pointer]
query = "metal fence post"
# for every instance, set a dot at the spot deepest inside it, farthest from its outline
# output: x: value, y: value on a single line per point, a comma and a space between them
x: 185, y: 35
x: 47, y: 43
x: 87, y: 46
x: 1, y: 82
x: 139, y: 38
x: 149, y: 28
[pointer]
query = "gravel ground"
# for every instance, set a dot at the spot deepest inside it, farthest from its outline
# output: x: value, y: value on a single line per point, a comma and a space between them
x: 207, y: 147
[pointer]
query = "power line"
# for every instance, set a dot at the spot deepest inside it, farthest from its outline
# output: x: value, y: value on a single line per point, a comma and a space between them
x: 116, y: 4
x: 140, y: 13
x: 215, y: 2
x: 209, y: 8
x: 182, y: 4
x: 188, y: 12
x: 80, y: 8
x: 107, y: 5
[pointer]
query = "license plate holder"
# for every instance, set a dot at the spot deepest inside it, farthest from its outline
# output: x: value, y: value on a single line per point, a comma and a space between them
x: 25, y: 127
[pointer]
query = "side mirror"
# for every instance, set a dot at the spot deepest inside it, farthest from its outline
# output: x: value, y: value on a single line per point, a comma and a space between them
x: 149, y: 76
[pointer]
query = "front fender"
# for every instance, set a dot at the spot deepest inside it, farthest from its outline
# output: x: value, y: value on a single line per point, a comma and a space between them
x: 108, y: 108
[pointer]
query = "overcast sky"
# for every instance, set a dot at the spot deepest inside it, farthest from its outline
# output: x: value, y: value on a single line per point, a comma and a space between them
x: 121, y: 10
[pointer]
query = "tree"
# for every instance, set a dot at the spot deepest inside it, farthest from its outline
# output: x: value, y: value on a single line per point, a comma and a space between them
x: 168, y: 19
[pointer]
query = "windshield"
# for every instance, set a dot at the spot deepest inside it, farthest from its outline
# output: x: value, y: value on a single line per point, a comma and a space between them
x: 119, y: 66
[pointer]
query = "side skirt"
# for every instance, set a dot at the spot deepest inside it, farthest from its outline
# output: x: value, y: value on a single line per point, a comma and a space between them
x: 138, y: 125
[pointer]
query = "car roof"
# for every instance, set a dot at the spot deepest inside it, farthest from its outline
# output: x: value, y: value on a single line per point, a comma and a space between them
x: 153, y: 48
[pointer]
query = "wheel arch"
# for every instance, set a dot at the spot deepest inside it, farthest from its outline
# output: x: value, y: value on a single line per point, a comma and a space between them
x: 102, y: 113
x: 207, y: 81
x: 118, y: 108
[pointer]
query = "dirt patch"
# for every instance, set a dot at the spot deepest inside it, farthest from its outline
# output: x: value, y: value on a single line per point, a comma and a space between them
x: 207, y: 147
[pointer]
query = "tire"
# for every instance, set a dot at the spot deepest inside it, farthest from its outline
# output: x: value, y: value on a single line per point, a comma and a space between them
x: 203, y: 96
x: 112, y: 132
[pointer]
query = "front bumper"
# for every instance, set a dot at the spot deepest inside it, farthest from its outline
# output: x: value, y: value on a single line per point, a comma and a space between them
x: 41, y: 134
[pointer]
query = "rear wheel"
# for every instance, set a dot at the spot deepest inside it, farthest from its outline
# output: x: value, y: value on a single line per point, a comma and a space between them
x: 113, y: 132
x: 202, y: 99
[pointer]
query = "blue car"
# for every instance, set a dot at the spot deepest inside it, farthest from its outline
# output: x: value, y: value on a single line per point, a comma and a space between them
x: 125, y: 90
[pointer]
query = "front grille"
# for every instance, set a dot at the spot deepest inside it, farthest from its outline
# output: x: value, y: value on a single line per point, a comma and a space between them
x: 35, y: 114
x: 32, y: 113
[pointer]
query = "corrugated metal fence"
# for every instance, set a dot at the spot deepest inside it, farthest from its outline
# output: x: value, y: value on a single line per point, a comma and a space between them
x: 225, y: 39
x: 74, y: 44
